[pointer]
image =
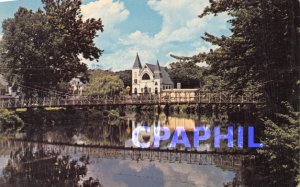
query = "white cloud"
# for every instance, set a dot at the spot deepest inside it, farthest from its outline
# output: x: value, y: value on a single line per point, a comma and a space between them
x: 180, y: 25
x: 110, y: 12
x: 2, y: 1
x: 182, y: 174
x: 180, y: 32
x: 180, y: 21
x: 123, y: 59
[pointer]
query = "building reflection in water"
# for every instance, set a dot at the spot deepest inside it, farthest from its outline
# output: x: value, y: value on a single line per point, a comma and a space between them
x: 172, y: 122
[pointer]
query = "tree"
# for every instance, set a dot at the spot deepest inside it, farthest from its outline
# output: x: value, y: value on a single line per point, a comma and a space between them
x: 263, y: 51
x: 104, y: 83
x: 10, y: 121
x: 41, y: 49
x: 125, y: 76
x: 281, y: 140
x: 35, y: 166
x: 188, y: 74
x: 262, y: 55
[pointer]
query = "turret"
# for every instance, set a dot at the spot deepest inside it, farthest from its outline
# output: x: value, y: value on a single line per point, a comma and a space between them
x: 136, y: 68
x: 157, y: 71
x: 137, y: 63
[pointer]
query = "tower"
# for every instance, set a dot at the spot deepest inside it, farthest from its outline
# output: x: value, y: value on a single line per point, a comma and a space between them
x: 135, y: 74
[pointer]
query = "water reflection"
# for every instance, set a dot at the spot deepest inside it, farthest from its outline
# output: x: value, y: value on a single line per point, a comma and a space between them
x: 115, y: 131
x: 34, y: 166
x: 31, y: 164
x: 91, y: 128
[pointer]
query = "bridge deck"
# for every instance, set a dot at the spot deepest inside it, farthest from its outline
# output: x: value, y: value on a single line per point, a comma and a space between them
x: 201, y: 98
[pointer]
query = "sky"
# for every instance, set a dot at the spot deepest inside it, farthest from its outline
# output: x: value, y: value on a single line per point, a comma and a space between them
x: 152, y: 28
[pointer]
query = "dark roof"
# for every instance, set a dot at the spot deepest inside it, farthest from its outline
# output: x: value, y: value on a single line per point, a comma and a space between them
x: 165, y: 76
x: 157, y: 66
x: 137, y: 62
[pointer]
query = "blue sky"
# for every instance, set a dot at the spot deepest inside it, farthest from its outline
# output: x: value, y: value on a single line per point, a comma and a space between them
x: 153, y: 28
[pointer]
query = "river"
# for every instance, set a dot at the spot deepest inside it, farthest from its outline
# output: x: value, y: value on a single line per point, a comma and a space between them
x: 89, y: 150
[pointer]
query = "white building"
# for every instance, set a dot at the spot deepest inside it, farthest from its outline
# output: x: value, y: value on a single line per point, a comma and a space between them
x: 5, y: 89
x: 149, y: 78
x: 77, y: 86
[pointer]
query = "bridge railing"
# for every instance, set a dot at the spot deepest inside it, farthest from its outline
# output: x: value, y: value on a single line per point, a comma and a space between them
x: 200, y: 98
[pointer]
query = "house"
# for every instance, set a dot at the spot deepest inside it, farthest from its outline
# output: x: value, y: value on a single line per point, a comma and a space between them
x: 77, y: 86
x: 5, y: 89
x: 149, y: 78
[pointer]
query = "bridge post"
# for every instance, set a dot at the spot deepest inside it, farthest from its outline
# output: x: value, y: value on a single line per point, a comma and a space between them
x: 15, y: 103
x: 22, y: 101
x: 159, y: 98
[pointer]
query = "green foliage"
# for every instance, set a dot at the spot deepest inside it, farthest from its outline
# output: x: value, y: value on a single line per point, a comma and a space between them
x: 213, y: 83
x: 29, y: 168
x: 125, y: 76
x: 282, y: 141
x: 10, y: 121
x: 104, y: 83
x: 263, y: 51
x: 41, y: 49
x: 262, y: 55
x: 188, y: 74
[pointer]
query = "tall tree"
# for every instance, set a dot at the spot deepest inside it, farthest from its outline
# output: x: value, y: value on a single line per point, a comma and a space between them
x: 188, y: 74
x: 262, y: 55
x: 41, y: 49
x: 104, y: 83
x: 125, y: 76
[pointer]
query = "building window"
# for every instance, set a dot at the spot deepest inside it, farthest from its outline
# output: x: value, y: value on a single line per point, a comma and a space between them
x: 146, y: 90
x: 149, y: 90
x: 146, y: 77
x: 135, y: 81
x: 156, y: 91
x: 135, y: 90
x: 155, y: 83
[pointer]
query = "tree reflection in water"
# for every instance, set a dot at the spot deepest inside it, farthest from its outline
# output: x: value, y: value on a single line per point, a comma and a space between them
x: 32, y: 167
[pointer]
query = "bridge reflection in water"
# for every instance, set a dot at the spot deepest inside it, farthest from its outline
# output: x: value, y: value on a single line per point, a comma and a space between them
x: 229, y: 160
